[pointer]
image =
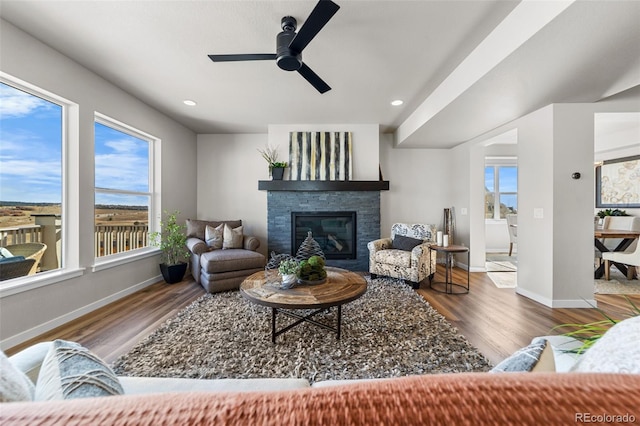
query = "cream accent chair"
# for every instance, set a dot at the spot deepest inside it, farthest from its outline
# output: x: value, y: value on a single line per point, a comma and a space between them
x: 512, y: 225
x: 411, y: 266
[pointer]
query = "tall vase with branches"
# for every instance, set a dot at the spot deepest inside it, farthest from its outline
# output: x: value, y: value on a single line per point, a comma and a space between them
x: 276, y: 167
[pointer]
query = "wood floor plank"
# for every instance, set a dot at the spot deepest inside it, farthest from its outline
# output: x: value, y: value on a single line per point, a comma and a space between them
x: 496, y: 321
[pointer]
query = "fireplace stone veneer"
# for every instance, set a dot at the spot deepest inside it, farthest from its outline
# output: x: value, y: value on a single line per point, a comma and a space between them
x: 366, y: 205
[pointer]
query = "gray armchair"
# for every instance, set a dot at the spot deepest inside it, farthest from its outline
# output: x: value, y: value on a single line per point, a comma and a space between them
x: 389, y: 258
x: 221, y: 269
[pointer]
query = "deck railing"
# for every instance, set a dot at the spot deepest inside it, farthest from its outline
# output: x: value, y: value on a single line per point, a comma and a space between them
x: 109, y: 239
x: 20, y: 235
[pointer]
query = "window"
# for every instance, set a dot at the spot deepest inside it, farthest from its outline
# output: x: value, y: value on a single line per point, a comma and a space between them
x: 123, y: 187
x: 501, y: 188
x: 31, y: 175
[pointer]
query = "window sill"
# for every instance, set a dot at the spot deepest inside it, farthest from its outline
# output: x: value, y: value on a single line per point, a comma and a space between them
x: 119, y: 259
x: 31, y: 282
x: 495, y: 221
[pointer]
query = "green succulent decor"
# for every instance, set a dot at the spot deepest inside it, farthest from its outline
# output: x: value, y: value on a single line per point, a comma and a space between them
x: 288, y: 266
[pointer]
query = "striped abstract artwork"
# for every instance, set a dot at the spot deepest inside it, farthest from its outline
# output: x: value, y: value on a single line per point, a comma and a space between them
x: 320, y: 156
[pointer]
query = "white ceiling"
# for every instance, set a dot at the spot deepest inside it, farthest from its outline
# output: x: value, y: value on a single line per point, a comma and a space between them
x: 370, y: 53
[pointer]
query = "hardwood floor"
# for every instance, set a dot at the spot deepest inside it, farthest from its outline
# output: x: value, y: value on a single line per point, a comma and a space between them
x: 496, y: 321
x: 114, y: 329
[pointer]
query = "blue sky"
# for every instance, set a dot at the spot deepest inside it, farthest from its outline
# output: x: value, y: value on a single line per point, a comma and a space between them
x: 508, y: 183
x: 30, y: 149
x: 31, y: 154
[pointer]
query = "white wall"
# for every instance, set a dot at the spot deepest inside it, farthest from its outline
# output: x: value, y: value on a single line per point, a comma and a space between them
x: 29, y: 313
x: 229, y: 168
x: 419, y: 182
x: 555, y: 257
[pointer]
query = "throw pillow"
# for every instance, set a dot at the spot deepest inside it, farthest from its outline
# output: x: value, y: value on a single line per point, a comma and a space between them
x: 213, y: 236
x: 400, y: 242
x: 12, y: 259
x: 14, y: 384
x: 546, y: 363
x: 524, y: 359
x: 232, y: 237
x: 4, y: 253
x: 70, y: 371
x: 617, y: 351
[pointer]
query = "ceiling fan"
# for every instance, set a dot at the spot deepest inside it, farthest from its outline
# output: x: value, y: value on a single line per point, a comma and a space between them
x: 289, y: 44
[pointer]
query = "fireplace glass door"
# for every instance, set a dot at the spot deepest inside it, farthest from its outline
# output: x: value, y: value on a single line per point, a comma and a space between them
x: 335, y: 232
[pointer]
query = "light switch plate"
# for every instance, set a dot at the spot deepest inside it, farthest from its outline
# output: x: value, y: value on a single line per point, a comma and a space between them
x: 538, y: 213
x: 463, y: 211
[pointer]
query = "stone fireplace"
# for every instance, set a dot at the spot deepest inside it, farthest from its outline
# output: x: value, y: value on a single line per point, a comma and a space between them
x: 340, y: 207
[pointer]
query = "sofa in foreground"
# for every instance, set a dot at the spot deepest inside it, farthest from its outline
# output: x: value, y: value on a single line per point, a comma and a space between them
x: 600, y: 386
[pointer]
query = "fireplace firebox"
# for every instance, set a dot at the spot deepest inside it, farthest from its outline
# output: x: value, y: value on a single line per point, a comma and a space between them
x: 335, y: 232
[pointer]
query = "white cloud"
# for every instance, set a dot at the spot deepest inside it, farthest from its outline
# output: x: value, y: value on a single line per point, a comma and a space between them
x: 16, y: 103
x: 123, y: 146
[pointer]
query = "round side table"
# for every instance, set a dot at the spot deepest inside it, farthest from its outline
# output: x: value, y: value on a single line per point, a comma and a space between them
x: 448, y: 286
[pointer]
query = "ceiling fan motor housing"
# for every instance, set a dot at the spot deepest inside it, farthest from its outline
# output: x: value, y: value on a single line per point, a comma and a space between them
x: 286, y: 58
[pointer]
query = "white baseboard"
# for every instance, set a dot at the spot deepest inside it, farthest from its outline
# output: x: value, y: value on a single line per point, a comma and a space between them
x: 553, y: 303
x: 70, y: 316
x: 534, y: 296
x: 571, y: 303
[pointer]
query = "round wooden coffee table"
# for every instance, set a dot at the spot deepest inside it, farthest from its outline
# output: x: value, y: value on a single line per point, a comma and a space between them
x: 341, y: 287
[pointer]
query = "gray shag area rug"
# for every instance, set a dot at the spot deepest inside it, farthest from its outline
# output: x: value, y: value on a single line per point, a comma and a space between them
x: 390, y: 331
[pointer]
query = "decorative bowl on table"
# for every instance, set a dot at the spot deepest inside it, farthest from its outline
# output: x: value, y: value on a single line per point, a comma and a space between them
x: 312, y: 271
x: 312, y: 282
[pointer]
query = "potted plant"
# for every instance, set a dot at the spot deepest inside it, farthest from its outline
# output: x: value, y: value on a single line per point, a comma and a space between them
x: 289, y: 270
x: 589, y: 333
x: 276, y: 168
x: 610, y: 212
x: 172, y: 240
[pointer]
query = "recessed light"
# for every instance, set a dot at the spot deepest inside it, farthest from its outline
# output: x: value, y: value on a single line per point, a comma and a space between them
x: 189, y: 102
x: 397, y: 102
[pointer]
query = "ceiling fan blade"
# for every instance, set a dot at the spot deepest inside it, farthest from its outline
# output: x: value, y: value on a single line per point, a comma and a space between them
x: 243, y: 57
x: 320, y: 15
x: 313, y: 78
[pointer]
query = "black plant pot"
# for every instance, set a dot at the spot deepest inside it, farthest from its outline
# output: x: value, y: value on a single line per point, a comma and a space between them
x: 277, y: 173
x: 173, y: 273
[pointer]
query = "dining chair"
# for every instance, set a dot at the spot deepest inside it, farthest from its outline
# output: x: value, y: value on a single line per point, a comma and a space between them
x: 632, y: 260
x: 512, y: 224
x: 625, y: 223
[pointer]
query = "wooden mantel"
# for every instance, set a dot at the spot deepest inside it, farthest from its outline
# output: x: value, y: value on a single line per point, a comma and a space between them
x: 323, y: 185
